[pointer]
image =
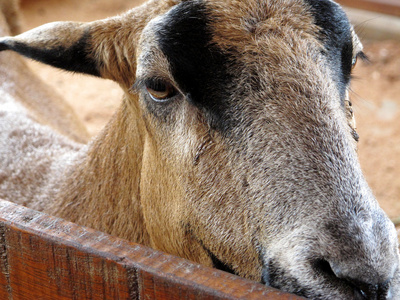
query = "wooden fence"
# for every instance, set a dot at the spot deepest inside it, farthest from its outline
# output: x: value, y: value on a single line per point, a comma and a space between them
x: 43, y: 257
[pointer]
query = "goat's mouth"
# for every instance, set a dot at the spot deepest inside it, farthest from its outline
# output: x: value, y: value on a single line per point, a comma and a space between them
x: 361, y: 290
x: 324, y: 269
x: 217, y: 263
x: 323, y: 283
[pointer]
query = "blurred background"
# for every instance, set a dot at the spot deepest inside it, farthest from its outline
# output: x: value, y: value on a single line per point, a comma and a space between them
x: 375, y: 88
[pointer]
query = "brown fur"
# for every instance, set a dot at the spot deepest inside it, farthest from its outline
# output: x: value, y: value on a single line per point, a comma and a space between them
x: 279, y: 197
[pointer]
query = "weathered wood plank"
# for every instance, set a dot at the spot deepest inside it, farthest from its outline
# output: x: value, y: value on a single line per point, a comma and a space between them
x: 391, y: 7
x: 4, y: 282
x: 43, y: 257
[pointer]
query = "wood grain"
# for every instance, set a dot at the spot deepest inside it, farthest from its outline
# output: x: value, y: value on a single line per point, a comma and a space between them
x: 391, y: 7
x: 43, y: 257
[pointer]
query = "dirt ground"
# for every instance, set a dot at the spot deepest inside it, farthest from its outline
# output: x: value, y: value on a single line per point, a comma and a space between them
x: 375, y: 93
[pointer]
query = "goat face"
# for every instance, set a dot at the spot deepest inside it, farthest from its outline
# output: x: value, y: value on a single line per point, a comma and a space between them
x: 249, y: 157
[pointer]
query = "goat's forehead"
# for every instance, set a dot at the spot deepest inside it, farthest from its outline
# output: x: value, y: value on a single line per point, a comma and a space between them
x: 238, y: 19
x: 195, y: 27
x: 205, y: 41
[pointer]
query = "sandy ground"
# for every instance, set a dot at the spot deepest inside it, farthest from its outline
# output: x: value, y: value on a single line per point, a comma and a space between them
x: 375, y: 93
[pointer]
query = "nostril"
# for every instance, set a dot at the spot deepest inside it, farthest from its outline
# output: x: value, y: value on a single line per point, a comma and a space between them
x: 324, y: 267
x: 361, y: 289
x: 366, y: 291
x: 337, y: 271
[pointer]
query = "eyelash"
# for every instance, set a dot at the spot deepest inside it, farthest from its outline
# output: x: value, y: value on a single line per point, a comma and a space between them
x: 361, y: 55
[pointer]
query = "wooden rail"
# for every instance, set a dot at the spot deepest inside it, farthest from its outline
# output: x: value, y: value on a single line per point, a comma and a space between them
x: 391, y: 7
x: 43, y: 257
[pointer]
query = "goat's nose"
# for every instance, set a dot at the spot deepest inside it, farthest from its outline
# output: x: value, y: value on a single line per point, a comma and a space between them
x: 370, y: 291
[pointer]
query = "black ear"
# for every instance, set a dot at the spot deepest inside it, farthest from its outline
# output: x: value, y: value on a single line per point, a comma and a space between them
x: 65, y: 45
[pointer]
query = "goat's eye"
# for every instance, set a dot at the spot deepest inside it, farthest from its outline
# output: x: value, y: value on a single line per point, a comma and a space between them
x: 160, y: 90
x: 354, y: 62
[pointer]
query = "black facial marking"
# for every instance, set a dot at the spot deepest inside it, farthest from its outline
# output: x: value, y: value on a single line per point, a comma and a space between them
x: 198, y: 66
x: 74, y: 58
x: 337, y: 39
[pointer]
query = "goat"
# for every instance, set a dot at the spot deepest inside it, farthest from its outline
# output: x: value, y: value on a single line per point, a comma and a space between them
x: 234, y: 145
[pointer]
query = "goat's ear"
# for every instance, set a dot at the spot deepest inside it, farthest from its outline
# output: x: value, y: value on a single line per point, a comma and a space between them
x: 65, y: 45
x: 105, y: 48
